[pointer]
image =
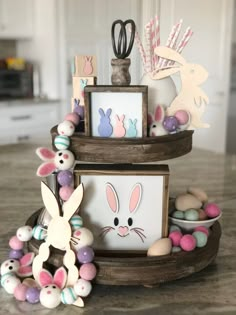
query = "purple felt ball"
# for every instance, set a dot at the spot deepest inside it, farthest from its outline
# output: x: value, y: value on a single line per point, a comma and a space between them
x: 170, y: 123
x: 15, y: 254
x: 32, y: 295
x: 65, y: 178
x: 85, y: 255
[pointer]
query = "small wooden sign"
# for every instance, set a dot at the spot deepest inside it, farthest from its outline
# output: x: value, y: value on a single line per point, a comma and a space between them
x: 85, y: 66
x: 79, y: 84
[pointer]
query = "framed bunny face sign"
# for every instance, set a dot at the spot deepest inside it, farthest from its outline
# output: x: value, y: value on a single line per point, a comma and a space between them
x: 116, y: 111
x: 124, y: 217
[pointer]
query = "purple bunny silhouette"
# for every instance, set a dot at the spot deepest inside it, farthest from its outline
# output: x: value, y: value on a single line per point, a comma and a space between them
x: 105, y: 128
x: 79, y: 109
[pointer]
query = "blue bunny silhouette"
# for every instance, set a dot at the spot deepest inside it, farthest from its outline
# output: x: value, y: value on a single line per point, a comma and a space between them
x: 105, y: 128
x: 131, y: 132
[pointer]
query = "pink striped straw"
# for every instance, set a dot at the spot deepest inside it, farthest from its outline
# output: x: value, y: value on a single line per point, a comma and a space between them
x: 156, y: 39
x: 185, y: 39
x: 141, y: 49
x: 148, y: 50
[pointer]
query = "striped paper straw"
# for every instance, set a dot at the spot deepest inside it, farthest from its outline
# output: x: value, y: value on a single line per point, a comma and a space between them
x: 155, y: 40
x: 185, y: 39
x: 148, y: 50
x: 141, y: 49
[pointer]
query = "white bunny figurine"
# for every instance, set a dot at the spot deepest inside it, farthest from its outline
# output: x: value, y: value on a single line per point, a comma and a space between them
x: 155, y: 122
x: 59, y: 232
x: 191, y: 97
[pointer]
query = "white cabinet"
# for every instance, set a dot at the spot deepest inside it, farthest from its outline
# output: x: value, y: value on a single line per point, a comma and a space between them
x: 16, y: 18
x: 30, y: 122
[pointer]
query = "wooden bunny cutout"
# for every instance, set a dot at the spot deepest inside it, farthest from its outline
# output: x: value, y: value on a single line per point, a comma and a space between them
x: 59, y: 232
x: 191, y: 97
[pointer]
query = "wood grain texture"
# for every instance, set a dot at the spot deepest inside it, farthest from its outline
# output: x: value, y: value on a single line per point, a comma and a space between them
x: 149, y: 149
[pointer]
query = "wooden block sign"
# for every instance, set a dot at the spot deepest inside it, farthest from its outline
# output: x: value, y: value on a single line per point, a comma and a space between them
x: 125, y: 206
x: 79, y: 84
x: 85, y: 66
x: 116, y: 111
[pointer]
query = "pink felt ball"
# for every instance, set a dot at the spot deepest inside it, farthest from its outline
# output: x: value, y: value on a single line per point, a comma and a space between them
x: 87, y: 271
x: 212, y: 210
x: 202, y: 229
x: 202, y: 215
x: 182, y: 116
x: 15, y: 243
x: 20, y: 292
x: 73, y: 117
x: 175, y: 237
x: 65, y: 192
x: 188, y: 242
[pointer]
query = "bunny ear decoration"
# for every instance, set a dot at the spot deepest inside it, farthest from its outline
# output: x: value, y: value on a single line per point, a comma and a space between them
x: 135, y: 198
x: 45, y: 169
x: 170, y: 54
x: 101, y: 112
x: 27, y: 259
x: 49, y: 200
x: 45, y: 278
x: 73, y: 203
x: 108, y: 112
x: 159, y: 113
x: 122, y: 117
x: 165, y: 72
x: 45, y: 154
x: 112, y: 198
x: 60, y: 277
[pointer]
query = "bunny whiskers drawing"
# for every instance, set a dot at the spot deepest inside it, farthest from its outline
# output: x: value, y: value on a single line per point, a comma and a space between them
x: 59, y: 232
x: 191, y: 97
x: 123, y: 227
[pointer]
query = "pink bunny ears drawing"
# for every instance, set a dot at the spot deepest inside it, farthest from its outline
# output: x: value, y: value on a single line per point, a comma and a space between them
x: 61, y: 160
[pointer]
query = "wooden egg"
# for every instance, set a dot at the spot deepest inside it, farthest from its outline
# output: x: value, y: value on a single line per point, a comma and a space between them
x: 187, y: 201
x: 198, y: 193
x: 160, y: 247
x: 68, y: 296
x: 24, y: 233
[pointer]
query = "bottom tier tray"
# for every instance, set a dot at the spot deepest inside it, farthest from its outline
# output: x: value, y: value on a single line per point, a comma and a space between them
x: 141, y: 270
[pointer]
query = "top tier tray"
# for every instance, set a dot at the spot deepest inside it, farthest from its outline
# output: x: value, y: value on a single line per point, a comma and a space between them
x: 149, y: 149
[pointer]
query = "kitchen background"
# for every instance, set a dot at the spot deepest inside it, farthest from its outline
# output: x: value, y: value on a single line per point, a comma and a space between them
x: 48, y: 33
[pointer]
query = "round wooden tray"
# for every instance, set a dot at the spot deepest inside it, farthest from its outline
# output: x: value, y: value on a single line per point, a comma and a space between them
x: 142, y: 270
x: 150, y: 149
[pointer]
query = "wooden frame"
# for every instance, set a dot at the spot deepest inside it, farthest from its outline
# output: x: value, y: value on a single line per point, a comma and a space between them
x: 123, y: 115
x: 124, y: 205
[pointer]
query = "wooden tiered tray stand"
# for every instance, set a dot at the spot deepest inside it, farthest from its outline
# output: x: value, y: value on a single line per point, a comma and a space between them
x: 137, y: 269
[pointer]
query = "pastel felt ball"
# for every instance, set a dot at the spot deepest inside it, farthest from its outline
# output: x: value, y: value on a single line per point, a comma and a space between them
x: 39, y: 233
x: 62, y: 142
x: 68, y: 296
x: 5, y: 276
x: 202, y: 229
x: 11, y: 283
x: 20, y: 292
x: 188, y: 242
x: 82, y: 287
x: 73, y: 117
x: 182, y: 116
x: 16, y: 254
x: 176, y: 249
x: 65, y: 178
x: 84, y: 237
x: 24, y: 233
x: 50, y: 296
x: 76, y: 223
x: 202, y: 215
x: 15, y: 243
x: 170, y: 123
x: 201, y: 238
x: 85, y: 255
x: 175, y: 237
x: 32, y: 295
x: 191, y: 215
x: 66, y: 128
x: 65, y: 192
x: 174, y: 228
x: 178, y: 214
x: 88, y: 271
x: 64, y: 160
x: 212, y: 210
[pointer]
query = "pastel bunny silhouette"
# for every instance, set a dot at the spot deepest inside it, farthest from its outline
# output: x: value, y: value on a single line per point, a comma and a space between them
x: 191, y: 97
x: 155, y: 122
x: 83, y: 83
x: 132, y: 129
x: 59, y: 232
x: 105, y: 128
x: 119, y: 129
x: 88, y: 67
x: 21, y: 267
x: 78, y: 109
x: 123, y: 228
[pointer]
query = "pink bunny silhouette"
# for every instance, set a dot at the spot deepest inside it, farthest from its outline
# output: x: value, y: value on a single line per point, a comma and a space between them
x: 61, y: 160
x: 88, y: 68
x: 21, y: 267
x: 123, y: 228
x: 119, y: 129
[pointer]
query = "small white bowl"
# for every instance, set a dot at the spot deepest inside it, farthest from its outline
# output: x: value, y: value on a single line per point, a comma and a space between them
x: 191, y: 225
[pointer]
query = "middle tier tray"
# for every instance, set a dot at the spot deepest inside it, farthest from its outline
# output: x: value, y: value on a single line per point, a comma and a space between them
x: 142, y: 150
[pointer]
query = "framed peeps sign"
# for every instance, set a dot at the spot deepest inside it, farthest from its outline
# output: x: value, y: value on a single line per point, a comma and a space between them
x: 128, y: 217
x: 115, y: 111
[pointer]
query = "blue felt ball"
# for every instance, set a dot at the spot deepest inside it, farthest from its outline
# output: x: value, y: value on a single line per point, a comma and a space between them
x: 178, y: 214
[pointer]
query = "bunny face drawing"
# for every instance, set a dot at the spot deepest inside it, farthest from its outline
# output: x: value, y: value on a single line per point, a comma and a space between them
x: 124, y: 227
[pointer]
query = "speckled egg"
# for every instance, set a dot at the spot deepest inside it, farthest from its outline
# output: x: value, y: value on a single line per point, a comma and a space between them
x: 84, y: 237
x: 178, y: 214
x: 82, y: 287
x: 201, y: 238
x: 160, y: 247
x: 62, y: 142
x: 188, y: 242
x: 68, y: 296
x: 39, y: 233
x: 66, y: 128
x: 184, y: 202
x: 24, y: 233
x: 76, y: 222
x: 191, y: 215
x: 212, y: 210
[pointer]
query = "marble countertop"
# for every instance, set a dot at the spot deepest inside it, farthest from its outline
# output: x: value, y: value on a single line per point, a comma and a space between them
x: 211, y: 291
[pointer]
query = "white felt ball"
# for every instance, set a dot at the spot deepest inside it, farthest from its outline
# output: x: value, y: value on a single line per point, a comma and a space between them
x: 39, y: 233
x: 64, y: 160
x: 82, y: 287
x: 83, y: 237
x: 61, y: 142
x: 66, y: 128
x: 68, y: 296
x: 9, y: 265
x: 76, y: 222
x: 11, y: 283
x: 24, y: 233
x: 50, y: 296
